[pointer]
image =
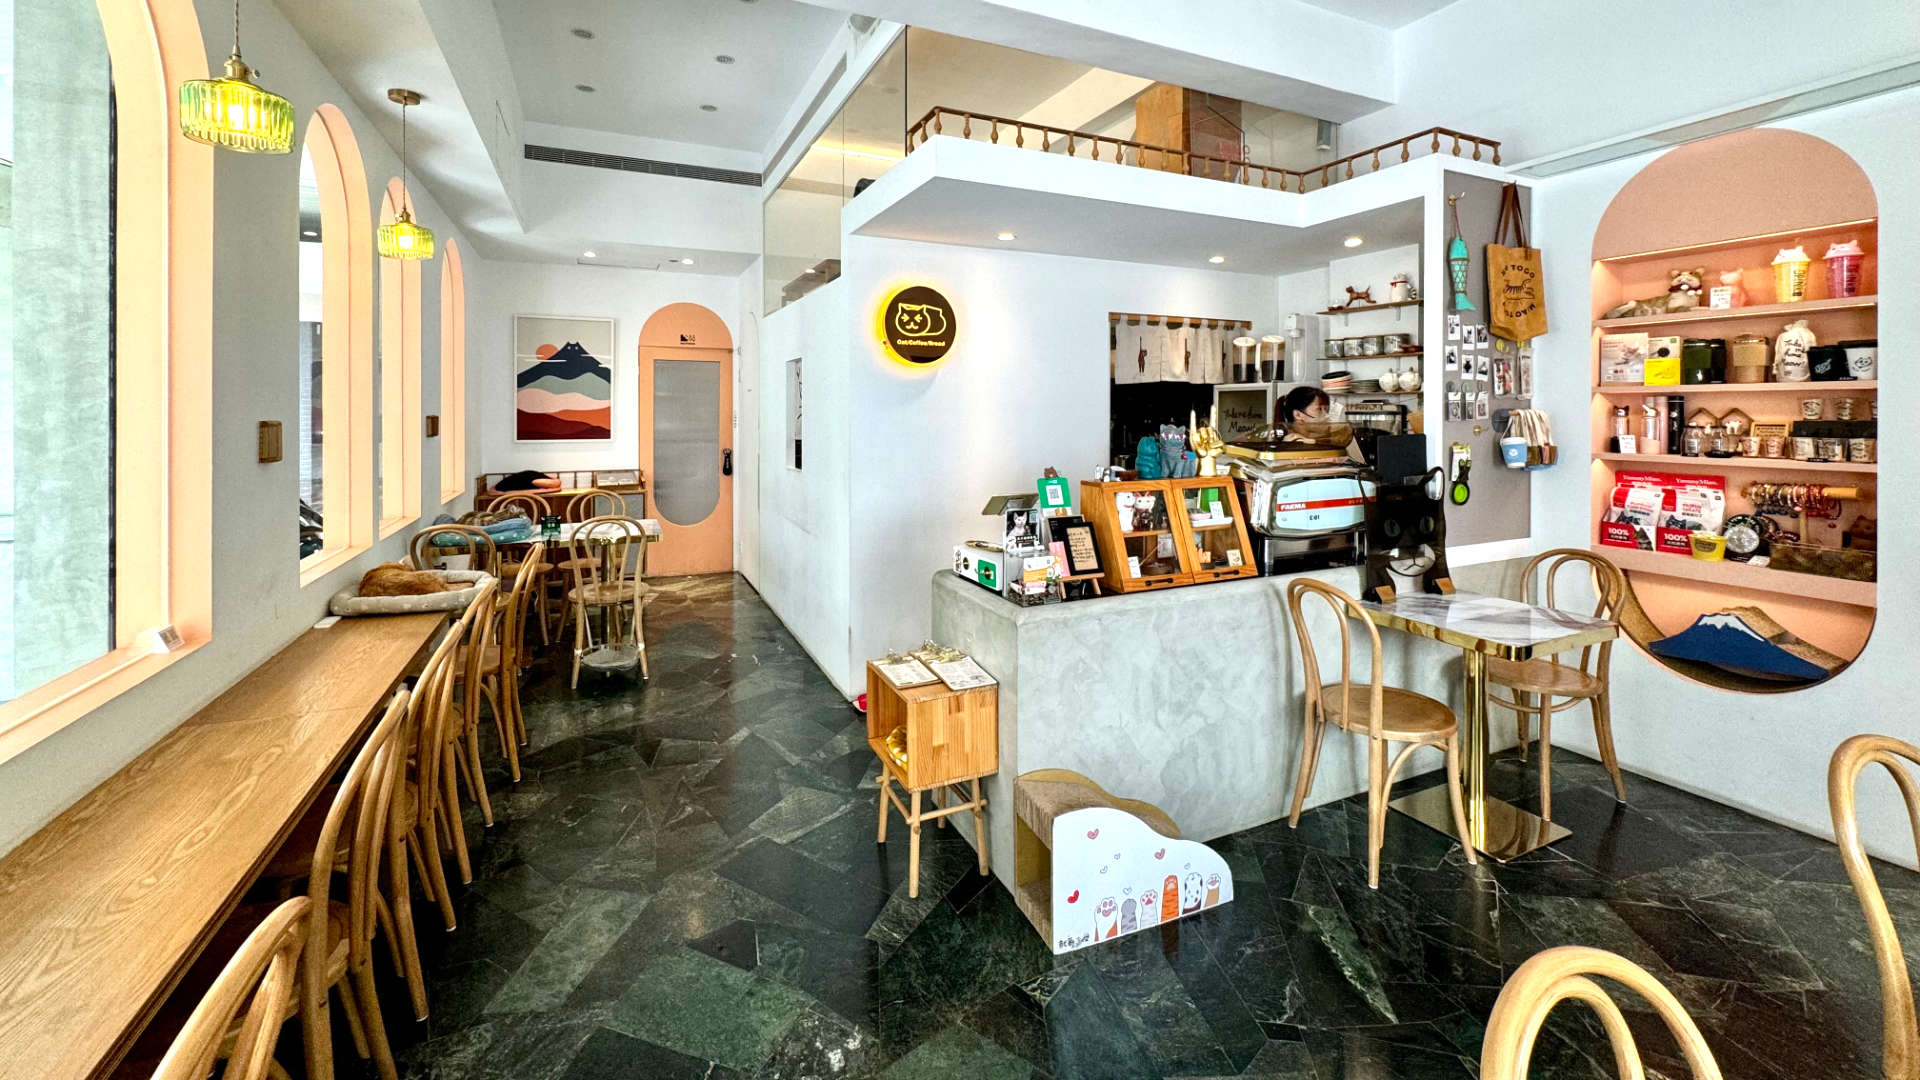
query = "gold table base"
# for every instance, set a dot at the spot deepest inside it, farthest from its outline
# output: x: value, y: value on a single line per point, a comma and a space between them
x: 1506, y: 831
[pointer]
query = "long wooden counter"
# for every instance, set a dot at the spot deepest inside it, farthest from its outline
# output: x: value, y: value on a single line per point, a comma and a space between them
x: 103, y: 909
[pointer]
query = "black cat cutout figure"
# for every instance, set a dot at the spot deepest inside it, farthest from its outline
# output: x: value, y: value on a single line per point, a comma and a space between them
x: 1407, y: 535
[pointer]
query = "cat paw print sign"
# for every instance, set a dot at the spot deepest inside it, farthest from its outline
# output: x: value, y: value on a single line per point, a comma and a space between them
x: 918, y: 325
x: 1114, y: 875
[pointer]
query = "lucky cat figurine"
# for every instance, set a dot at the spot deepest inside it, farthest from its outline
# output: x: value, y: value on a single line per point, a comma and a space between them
x: 1683, y: 294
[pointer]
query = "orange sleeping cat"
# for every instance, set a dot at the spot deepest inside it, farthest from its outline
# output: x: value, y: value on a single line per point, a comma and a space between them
x: 393, y: 579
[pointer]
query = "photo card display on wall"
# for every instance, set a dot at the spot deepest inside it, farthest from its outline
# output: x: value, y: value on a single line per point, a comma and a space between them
x: 563, y: 381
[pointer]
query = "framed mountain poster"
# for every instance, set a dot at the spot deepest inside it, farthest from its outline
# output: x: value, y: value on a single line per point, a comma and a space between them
x: 563, y: 381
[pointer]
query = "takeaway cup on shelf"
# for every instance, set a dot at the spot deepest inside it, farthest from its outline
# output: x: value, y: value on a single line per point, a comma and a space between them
x: 1843, y: 269
x: 1790, y: 275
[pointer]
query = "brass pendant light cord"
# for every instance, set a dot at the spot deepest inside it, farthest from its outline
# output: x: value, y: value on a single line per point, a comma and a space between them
x: 406, y: 190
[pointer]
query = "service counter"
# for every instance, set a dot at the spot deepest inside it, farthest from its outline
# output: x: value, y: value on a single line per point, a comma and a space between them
x: 1187, y: 698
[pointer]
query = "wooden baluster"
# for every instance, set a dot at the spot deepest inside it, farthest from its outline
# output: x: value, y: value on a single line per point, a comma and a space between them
x: 1020, y: 135
x: 1496, y: 153
x: 1349, y: 175
x: 936, y: 121
x: 1323, y: 175
x: 1266, y: 180
x: 966, y: 125
x: 1096, y: 149
x: 1376, y: 160
x: 1456, y: 146
x: 996, y: 133
x: 1046, y: 140
x: 1403, y: 148
x: 1069, y: 144
x: 1436, y: 141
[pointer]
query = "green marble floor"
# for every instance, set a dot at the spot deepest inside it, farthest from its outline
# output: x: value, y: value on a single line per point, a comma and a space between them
x: 686, y: 884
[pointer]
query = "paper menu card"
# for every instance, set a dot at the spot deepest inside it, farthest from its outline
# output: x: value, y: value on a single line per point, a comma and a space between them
x: 909, y: 672
x: 962, y: 674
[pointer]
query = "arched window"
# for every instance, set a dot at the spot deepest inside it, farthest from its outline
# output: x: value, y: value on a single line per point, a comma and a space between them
x: 453, y: 376
x: 336, y: 357
x: 399, y: 366
x: 105, y: 360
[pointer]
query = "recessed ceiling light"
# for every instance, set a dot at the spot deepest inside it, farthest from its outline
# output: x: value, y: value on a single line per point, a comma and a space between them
x: 586, y: 254
x: 1006, y: 236
x: 583, y: 88
x: 1353, y: 241
x: 686, y: 262
x: 583, y: 33
x: 709, y: 108
x: 308, y: 232
x: 723, y: 58
x: 1216, y: 259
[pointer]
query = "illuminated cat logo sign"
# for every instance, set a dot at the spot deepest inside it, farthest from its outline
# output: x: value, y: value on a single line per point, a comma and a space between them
x: 918, y: 325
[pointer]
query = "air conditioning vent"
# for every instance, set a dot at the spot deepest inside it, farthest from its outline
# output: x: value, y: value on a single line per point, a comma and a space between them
x: 621, y: 163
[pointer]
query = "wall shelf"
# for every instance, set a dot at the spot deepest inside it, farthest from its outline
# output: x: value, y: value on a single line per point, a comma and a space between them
x: 1841, y: 386
x: 1752, y: 311
x: 1707, y: 464
x: 1383, y: 306
x: 1741, y: 575
x: 1808, y: 233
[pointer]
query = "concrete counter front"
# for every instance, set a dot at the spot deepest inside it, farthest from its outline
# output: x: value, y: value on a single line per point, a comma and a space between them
x: 1187, y: 698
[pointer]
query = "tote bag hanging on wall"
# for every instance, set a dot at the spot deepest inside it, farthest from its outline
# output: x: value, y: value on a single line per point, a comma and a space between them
x: 1515, y: 305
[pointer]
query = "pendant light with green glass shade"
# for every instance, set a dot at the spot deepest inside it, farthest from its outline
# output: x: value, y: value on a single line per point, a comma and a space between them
x: 403, y: 239
x: 234, y: 111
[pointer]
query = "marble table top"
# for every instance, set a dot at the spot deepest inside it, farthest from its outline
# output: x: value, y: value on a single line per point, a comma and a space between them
x: 1491, y: 624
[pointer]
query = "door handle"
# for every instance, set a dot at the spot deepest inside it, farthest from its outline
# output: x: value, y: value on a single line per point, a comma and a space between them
x: 726, y: 462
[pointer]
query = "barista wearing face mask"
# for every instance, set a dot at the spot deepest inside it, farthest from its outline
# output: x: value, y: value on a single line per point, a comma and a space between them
x: 1302, y: 416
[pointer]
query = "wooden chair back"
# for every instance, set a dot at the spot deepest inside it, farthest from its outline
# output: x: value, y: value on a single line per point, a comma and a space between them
x: 1901, y: 1037
x: 1557, y: 974
x: 479, y: 623
x: 469, y: 541
x: 427, y: 724
x: 608, y: 550
x: 513, y: 623
x: 259, y: 980
x: 1345, y: 610
x: 363, y: 803
x: 596, y: 502
x: 535, y: 507
x: 1541, y: 579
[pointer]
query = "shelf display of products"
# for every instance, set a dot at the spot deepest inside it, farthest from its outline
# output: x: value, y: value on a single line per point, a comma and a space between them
x: 1157, y: 534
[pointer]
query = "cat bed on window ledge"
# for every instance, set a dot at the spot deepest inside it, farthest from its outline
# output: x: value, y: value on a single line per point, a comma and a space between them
x: 348, y: 601
x: 1744, y: 641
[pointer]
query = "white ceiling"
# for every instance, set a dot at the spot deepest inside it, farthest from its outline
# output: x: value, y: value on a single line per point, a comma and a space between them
x: 651, y: 63
x: 1391, y: 14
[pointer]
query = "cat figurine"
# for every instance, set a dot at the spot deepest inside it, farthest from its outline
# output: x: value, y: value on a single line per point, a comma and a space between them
x: 1683, y: 294
x: 393, y: 579
x: 1731, y: 279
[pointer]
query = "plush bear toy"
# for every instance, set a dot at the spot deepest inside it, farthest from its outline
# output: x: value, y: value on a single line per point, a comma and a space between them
x: 1683, y: 294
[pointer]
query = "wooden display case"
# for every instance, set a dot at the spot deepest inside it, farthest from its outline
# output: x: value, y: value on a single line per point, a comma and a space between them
x: 1149, y: 536
x: 1210, y: 529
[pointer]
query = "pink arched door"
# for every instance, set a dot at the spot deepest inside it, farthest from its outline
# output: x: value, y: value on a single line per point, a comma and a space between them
x: 686, y: 430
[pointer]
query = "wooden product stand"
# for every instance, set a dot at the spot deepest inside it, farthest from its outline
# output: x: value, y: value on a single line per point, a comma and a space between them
x: 1207, y: 550
x: 953, y: 739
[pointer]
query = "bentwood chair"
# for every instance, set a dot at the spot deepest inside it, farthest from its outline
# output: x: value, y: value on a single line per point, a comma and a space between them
x: 1900, y: 1040
x: 608, y: 559
x: 1543, y: 686
x: 241, y: 1015
x: 1555, y: 975
x: 536, y: 509
x: 419, y: 808
x: 493, y: 672
x: 588, y: 504
x: 466, y: 540
x: 460, y: 720
x: 1382, y: 713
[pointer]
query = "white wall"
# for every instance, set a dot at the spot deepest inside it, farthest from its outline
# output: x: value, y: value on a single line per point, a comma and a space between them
x: 1766, y: 755
x: 258, y: 603
x: 497, y: 291
x: 1549, y: 77
x: 1025, y: 387
x: 806, y: 516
